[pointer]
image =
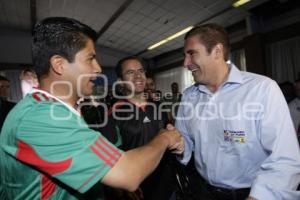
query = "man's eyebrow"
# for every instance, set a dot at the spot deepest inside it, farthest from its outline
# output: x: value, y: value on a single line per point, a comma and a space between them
x: 190, y: 51
x: 187, y: 52
x: 92, y: 55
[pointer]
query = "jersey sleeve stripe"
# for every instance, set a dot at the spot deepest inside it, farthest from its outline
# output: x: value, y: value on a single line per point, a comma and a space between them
x: 47, y: 187
x: 91, y: 178
x: 111, y: 156
x: 112, y: 148
x: 107, y: 161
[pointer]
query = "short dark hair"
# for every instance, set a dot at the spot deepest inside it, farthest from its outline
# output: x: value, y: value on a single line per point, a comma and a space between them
x: 210, y: 35
x: 119, y: 66
x: 58, y: 36
x: 174, y: 83
x: 150, y: 74
x: 28, y: 70
x: 3, y: 78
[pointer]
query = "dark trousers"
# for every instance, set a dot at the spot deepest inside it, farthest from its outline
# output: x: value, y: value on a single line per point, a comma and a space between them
x: 205, y: 191
x: 201, y: 190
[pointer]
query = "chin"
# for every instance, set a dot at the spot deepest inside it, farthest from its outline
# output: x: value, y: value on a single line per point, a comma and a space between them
x: 87, y: 92
x: 197, y: 80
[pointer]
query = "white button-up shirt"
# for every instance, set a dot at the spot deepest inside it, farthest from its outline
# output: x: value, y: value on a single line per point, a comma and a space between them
x: 242, y: 136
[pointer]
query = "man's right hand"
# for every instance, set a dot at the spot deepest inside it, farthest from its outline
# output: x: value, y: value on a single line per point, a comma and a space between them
x: 174, y: 138
x: 140, y: 162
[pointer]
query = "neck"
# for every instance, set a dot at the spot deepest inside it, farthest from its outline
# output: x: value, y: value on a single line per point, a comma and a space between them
x: 138, y: 98
x: 60, y: 91
x: 219, y: 78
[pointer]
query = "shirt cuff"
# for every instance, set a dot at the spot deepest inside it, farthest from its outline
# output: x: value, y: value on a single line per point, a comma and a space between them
x: 261, y: 192
x: 185, y: 157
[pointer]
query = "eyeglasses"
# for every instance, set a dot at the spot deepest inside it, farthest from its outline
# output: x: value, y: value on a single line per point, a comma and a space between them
x: 132, y: 73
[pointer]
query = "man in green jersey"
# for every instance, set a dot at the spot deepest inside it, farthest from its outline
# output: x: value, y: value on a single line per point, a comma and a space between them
x: 47, y: 150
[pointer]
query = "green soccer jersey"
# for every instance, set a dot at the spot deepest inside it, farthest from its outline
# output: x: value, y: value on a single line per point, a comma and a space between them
x: 48, y: 152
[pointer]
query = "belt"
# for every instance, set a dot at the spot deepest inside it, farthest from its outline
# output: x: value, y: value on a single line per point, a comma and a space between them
x: 227, y: 191
x: 223, y: 193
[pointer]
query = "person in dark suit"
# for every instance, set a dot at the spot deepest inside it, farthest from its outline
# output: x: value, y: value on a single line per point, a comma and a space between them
x: 5, y: 105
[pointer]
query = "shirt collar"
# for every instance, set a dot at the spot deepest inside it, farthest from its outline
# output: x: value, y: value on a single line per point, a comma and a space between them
x: 235, y: 76
x: 57, y: 99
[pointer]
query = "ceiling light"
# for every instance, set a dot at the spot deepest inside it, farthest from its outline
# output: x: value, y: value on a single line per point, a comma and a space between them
x: 239, y: 3
x: 157, y: 44
x: 170, y: 38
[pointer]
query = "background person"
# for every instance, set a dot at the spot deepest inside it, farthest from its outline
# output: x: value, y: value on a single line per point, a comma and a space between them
x: 5, y: 105
x: 29, y: 81
x: 141, y: 122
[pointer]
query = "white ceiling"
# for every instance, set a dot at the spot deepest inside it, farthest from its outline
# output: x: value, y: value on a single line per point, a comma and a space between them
x: 143, y: 22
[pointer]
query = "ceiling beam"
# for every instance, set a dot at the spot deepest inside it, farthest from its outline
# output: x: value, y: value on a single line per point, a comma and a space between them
x: 113, y: 18
x: 32, y: 13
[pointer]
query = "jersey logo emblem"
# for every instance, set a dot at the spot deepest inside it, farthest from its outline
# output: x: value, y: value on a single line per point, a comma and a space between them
x: 146, y: 120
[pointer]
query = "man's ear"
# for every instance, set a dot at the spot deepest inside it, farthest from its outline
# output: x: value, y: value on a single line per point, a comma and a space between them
x: 57, y: 64
x: 219, y: 51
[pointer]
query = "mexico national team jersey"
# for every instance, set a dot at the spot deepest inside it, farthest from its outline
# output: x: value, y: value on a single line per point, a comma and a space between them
x: 48, y: 152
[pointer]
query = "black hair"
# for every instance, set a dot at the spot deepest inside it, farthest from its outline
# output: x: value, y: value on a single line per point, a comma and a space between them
x: 119, y: 66
x: 210, y: 35
x: 58, y: 36
x: 174, y: 83
x: 28, y: 70
x: 150, y: 74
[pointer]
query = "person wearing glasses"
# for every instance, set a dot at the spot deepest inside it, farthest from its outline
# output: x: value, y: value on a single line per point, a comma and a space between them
x: 139, y: 120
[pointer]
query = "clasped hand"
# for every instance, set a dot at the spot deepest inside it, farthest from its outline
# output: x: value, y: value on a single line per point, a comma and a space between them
x: 176, y: 141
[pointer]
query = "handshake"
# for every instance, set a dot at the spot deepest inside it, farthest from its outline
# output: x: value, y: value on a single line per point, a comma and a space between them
x: 174, y: 139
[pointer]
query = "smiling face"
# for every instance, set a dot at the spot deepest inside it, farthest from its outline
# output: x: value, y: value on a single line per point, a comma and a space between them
x: 133, y: 72
x: 201, y: 63
x: 83, y: 71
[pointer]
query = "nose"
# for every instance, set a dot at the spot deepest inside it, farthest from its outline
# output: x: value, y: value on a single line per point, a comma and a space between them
x: 137, y: 74
x: 186, y: 61
x: 97, y: 68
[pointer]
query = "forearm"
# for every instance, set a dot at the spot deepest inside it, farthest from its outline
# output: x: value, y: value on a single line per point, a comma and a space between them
x: 134, y: 165
x: 146, y: 158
